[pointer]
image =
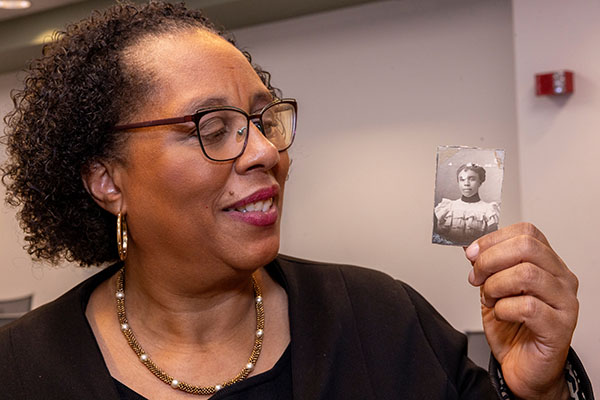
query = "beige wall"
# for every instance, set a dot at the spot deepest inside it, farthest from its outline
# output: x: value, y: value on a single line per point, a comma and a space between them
x: 559, y: 141
x: 379, y: 87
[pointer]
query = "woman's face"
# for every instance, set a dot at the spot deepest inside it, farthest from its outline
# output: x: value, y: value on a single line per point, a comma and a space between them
x: 178, y: 203
x: 468, y: 182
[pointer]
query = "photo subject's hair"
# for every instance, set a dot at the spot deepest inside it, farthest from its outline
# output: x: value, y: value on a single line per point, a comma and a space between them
x: 479, y: 170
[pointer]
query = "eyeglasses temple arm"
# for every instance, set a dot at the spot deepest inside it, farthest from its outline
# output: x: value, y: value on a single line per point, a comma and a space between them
x: 156, y: 122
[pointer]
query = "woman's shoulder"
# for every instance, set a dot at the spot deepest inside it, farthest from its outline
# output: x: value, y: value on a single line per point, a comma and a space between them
x: 30, y: 340
x: 320, y: 273
x: 444, y: 204
x: 490, y: 210
x: 363, y: 287
x: 59, y: 320
x: 494, y: 206
x: 57, y: 312
x: 51, y: 344
x: 391, y: 320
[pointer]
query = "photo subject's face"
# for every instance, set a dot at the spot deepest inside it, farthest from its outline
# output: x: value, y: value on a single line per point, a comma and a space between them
x: 468, y: 182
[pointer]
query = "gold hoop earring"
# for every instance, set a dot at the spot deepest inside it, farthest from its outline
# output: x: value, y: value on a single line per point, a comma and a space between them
x: 122, y: 236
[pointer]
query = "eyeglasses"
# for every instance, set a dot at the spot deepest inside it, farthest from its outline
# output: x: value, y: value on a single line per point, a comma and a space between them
x: 223, y: 131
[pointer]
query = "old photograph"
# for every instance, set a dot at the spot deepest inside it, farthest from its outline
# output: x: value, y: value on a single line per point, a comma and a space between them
x: 468, y: 191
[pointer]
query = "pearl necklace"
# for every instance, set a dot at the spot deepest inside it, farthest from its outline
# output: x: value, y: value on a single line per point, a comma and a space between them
x: 168, y: 379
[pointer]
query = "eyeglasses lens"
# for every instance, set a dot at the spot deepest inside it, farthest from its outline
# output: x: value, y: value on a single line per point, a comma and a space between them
x: 278, y: 122
x: 223, y: 133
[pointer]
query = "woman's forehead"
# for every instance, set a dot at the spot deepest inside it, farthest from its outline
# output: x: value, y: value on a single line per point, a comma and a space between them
x: 192, y: 55
x: 190, y: 68
x: 467, y: 172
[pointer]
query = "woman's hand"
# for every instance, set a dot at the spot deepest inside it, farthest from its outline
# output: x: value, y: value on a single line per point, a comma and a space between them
x: 529, y: 308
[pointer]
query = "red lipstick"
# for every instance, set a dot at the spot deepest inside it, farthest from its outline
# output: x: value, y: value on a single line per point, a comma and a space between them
x: 261, y: 194
x: 258, y: 217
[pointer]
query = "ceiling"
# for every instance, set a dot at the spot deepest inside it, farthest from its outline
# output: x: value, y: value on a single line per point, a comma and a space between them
x: 36, y: 6
x: 23, y: 32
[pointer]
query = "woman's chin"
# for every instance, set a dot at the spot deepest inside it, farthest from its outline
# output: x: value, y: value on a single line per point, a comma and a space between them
x: 256, y: 257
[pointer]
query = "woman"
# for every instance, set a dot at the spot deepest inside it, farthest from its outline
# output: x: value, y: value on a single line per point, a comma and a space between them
x: 146, y: 119
x: 463, y: 220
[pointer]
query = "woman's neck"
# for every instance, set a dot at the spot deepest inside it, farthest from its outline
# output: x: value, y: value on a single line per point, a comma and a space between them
x: 473, y: 199
x: 189, y: 308
x: 168, y: 318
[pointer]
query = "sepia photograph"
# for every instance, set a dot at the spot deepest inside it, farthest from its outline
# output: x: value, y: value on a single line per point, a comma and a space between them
x: 468, y: 191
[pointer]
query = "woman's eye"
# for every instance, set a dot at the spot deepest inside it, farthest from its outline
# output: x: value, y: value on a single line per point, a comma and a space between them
x: 213, y: 137
x: 212, y: 131
x: 270, y: 127
x: 190, y: 132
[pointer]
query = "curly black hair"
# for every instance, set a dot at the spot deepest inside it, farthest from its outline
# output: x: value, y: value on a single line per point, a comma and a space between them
x: 63, y: 120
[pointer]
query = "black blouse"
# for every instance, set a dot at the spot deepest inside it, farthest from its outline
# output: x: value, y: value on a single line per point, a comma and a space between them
x: 275, y: 384
x: 356, y: 334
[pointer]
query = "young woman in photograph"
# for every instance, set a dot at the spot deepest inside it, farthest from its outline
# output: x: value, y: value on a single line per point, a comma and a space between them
x: 463, y: 220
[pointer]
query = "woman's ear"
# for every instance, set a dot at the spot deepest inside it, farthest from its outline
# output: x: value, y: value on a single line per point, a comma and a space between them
x: 102, y: 181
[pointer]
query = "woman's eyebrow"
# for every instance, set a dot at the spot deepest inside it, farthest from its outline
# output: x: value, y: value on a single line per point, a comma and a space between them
x: 260, y: 97
x: 264, y: 97
x: 204, y: 103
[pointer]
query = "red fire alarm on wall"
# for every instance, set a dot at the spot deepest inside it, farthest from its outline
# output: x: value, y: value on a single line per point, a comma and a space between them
x: 554, y: 83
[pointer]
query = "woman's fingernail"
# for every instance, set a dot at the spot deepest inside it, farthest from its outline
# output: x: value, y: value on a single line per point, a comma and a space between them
x: 472, y: 277
x: 472, y: 251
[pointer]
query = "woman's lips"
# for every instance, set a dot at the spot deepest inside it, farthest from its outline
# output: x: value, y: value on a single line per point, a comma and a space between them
x: 258, y: 209
x: 260, y: 194
x: 257, y: 218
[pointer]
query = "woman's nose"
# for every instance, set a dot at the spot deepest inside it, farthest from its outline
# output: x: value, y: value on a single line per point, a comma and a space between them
x: 260, y: 153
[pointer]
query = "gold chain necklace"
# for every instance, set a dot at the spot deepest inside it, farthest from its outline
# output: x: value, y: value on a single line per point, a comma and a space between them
x: 168, y: 379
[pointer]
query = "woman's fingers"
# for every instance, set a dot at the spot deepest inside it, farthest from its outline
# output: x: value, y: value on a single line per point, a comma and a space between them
x: 525, y: 279
x: 522, y: 228
x: 513, y: 251
x: 492, y: 239
x: 547, y: 324
x: 551, y: 327
x: 522, y: 279
x: 517, y: 244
